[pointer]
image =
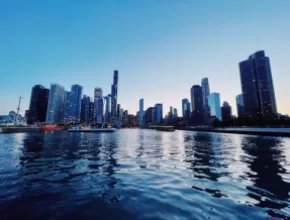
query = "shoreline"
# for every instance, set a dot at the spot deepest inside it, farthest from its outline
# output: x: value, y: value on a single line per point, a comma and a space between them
x: 251, y: 131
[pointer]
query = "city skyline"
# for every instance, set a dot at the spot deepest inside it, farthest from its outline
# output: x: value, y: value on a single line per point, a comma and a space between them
x: 205, y: 51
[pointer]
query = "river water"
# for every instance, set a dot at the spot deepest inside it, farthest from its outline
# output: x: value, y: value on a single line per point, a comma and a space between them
x: 144, y: 174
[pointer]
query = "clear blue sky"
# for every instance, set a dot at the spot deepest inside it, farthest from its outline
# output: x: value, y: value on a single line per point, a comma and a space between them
x: 161, y: 48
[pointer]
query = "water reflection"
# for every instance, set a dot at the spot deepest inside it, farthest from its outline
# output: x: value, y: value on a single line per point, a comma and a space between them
x: 156, y: 175
x: 201, y: 156
x: 264, y: 156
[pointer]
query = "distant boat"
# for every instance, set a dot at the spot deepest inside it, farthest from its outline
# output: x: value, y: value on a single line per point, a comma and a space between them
x: 51, y: 128
x: 89, y: 129
x: 166, y: 129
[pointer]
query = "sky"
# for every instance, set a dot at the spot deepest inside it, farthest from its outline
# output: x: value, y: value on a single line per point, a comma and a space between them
x: 161, y: 48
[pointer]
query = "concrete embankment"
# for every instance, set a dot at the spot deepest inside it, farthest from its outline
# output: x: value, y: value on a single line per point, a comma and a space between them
x: 252, y: 131
x: 19, y: 129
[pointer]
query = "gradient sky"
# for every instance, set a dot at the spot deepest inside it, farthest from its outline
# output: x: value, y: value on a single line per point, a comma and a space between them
x: 161, y: 48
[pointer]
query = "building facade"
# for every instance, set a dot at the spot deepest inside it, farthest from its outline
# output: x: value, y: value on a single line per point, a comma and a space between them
x: 226, y: 112
x: 175, y: 113
x: 99, y: 108
x: 257, y: 86
x: 85, y: 109
x: 108, y: 108
x: 158, y: 112
x: 205, y: 94
x: 197, y: 116
x: 215, y: 105
x: 141, y: 113
x: 114, y: 96
x: 240, y: 106
x: 38, y: 104
x: 56, y: 104
x: 75, y: 103
x: 186, y: 109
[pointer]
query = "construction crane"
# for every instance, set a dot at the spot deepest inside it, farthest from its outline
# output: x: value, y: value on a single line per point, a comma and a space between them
x: 18, y: 108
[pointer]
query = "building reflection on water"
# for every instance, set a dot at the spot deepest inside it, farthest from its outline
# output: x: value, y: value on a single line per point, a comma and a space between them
x: 265, y: 155
x: 200, y: 155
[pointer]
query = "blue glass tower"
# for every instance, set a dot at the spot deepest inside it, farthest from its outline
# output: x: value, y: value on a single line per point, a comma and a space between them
x: 257, y: 86
x: 215, y: 105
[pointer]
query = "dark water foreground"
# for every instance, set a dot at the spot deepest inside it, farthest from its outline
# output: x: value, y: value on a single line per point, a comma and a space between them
x: 144, y: 174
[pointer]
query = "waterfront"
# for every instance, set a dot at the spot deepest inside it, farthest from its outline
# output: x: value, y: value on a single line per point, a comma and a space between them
x: 144, y: 174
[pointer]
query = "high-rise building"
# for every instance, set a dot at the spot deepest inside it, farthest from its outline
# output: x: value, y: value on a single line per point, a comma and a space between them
x: 67, y: 107
x: 108, y: 108
x: 85, y: 109
x: 38, y: 104
x: 75, y: 103
x: 186, y: 109
x: 257, y: 86
x: 141, y: 113
x: 99, y: 108
x: 170, y: 114
x: 175, y: 114
x: 197, y: 105
x: 240, y: 106
x: 114, y: 94
x: 56, y: 104
x: 149, y: 116
x: 92, y: 112
x: 205, y: 94
x: 158, y: 111
x: 226, y: 112
x: 215, y: 105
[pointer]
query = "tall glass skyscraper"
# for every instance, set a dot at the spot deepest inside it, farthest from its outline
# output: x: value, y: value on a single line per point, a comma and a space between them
x: 141, y: 112
x: 99, y: 105
x: 85, y: 109
x: 114, y: 96
x: 75, y: 102
x: 197, y: 105
x: 257, y: 86
x: 205, y: 94
x: 215, y: 105
x: 56, y: 104
x: 67, y: 107
x: 158, y: 111
x: 240, y: 106
x: 38, y: 104
x: 108, y: 108
x: 186, y: 109
x: 175, y: 114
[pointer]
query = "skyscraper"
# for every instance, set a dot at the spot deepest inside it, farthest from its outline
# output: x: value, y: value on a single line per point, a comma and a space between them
x: 149, y: 116
x: 114, y: 94
x: 197, y: 105
x: 55, y: 107
x: 215, y: 105
x: 75, y: 103
x: 205, y: 94
x: 67, y: 107
x: 186, y: 109
x: 108, y: 108
x: 85, y: 109
x: 141, y: 113
x: 92, y: 111
x: 175, y: 114
x: 240, y: 106
x: 170, y: 114
x: 38, y: 104
x: 257, y: 86
x: 226, y: 112
x: 99, y: 105
x: 158, y: 111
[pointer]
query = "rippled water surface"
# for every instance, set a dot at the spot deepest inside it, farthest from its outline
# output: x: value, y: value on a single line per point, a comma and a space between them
x: 144, y: 174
